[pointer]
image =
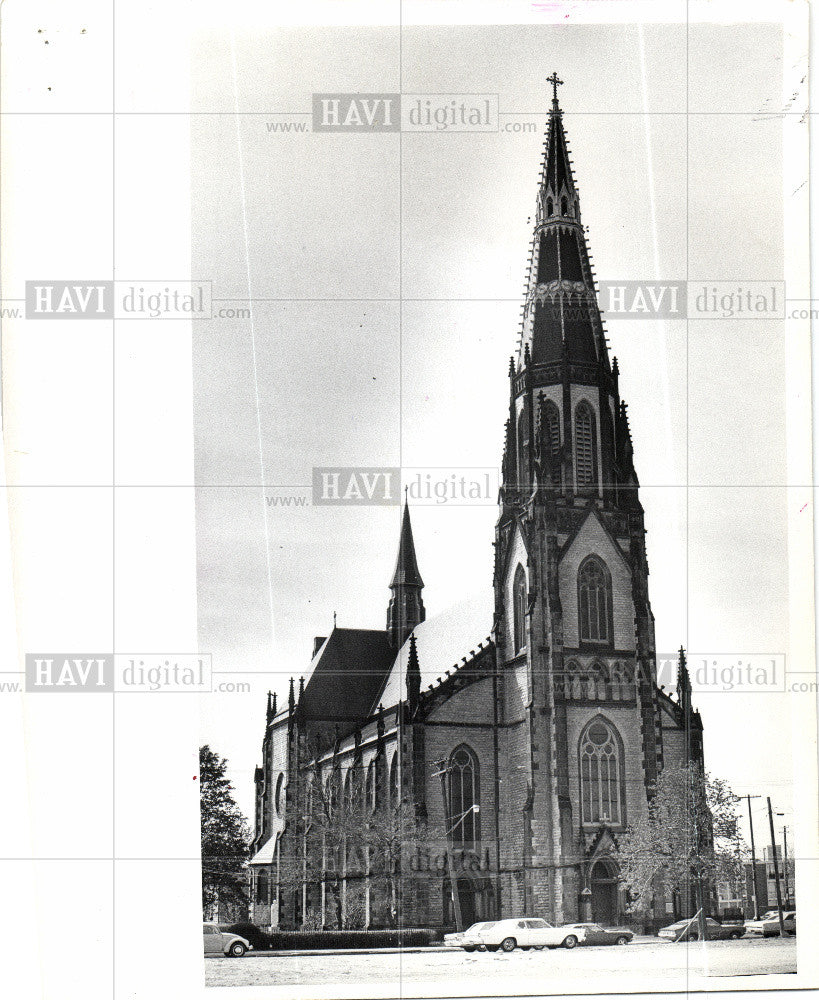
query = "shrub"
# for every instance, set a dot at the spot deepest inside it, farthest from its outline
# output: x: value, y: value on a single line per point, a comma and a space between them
x: 309, y: 940
x: 316, y: 940
x: 255, y: 935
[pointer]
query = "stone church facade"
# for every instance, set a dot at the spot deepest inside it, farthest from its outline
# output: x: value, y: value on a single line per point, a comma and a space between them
x: 418, y: 773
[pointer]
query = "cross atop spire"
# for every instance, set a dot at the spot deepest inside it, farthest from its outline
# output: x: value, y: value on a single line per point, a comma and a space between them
x: 555, y: 82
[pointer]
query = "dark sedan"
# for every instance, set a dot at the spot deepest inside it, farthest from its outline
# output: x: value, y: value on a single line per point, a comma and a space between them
x: 689, y: 930
x: 597, y: 934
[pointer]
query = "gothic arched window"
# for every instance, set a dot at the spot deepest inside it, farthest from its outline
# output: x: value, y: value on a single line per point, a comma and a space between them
x: 522, y: 441
x: 594, y: 601
x: 519, y: 609
x: 262, y: 891
x: 601, y: 773
x: 585, y: 447
x: 551, y: 441
x: 550, y: 207
x: 464, y: 797
x: 564, y: 206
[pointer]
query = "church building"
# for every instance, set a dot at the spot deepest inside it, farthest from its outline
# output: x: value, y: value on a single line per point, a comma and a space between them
x: 426, y: 775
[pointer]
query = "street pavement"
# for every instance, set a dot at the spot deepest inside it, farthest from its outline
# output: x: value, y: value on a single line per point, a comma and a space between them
x: 651, y: 965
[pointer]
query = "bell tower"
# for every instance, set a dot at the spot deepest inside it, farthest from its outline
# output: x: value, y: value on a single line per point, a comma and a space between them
x: 574, y: 628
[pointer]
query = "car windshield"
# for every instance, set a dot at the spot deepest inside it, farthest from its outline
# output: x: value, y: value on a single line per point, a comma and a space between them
x: 482, y: 926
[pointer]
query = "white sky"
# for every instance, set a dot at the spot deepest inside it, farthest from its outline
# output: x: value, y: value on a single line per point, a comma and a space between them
x: 447, y: 217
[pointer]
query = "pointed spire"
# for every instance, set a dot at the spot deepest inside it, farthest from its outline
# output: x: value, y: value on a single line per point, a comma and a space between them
x: 413, y: 679
x: 406, y: 608
x: 271, y: 707
x: 561, y: 320
x: 291, y: 698
x: 301, y: 689
x: 406, y: 566
x: 683, y: 683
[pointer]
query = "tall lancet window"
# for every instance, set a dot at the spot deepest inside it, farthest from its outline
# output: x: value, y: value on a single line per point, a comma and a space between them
x: 601, y: 773
x: 551, y: 442
x: 463, y: 772
x: 585, y: 447
x: 519, y: 609
x: 594, y: 601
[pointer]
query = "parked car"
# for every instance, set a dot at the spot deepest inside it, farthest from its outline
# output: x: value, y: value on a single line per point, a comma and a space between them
x: 597, y: 934
x: 469, y: 939
x: 689, y: 930
x: 768, y: 923
x: 517, y: 932
x: 223, y: 942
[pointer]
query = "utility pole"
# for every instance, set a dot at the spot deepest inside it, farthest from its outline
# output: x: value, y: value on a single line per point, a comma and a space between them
x: 776, y: 871
x: 450, y: 862
x: 753, y: 856
x: 787, y: 885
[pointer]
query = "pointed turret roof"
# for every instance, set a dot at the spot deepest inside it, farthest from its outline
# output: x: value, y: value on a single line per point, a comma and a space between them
x: 406, y: 567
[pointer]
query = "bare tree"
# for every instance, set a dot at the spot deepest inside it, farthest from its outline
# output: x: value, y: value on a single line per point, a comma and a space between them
x: 671, y: 846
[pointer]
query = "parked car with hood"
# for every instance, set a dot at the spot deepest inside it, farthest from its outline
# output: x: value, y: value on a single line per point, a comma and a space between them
x: 515, y: 932
x: 689, y: 930
x: 768, y: 923
x: 218, y: 942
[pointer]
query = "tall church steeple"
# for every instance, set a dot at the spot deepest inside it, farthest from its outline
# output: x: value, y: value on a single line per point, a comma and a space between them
x: 406, y: 607
x: 574, y: 450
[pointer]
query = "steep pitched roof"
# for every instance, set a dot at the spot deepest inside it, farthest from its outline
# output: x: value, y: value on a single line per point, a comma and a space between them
x: 440, y: 642
x: 346, y: 673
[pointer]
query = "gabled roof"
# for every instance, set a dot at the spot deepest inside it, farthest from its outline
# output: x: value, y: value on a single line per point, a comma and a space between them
x: 346, y: 673
x: 441, y: 642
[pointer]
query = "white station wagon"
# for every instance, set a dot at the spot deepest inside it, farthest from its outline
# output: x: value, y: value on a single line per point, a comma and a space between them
x: 518, y: 932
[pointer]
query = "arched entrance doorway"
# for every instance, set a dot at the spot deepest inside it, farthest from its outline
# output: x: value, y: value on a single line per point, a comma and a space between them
x: 604, y: 885
x: 475, y: 897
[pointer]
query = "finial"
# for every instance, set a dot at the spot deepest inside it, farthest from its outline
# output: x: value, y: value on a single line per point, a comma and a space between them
x: 270, y: 710
x: 555, y: 82
x: 301, y: 688
x: 527, y: 357
x: 511, y: 367
x: 615, y: 367
x: 291, y: 698
x: 334, y: 619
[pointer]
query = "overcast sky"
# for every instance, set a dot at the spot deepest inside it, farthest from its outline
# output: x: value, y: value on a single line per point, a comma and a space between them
x: 355, y: 376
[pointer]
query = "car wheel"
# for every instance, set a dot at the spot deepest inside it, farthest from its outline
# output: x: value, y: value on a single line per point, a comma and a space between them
x: 237, y: 949
x: 509, y: 944
x: 525, y: 947
x: 570, y: 941
x: 622, y: 939
x: 491, y: 947
x: 736, y: 935
x: 539, y: 947
x: 468, y: 947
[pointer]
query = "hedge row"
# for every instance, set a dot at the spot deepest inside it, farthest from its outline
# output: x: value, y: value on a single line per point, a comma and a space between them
x: 406, y: 937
